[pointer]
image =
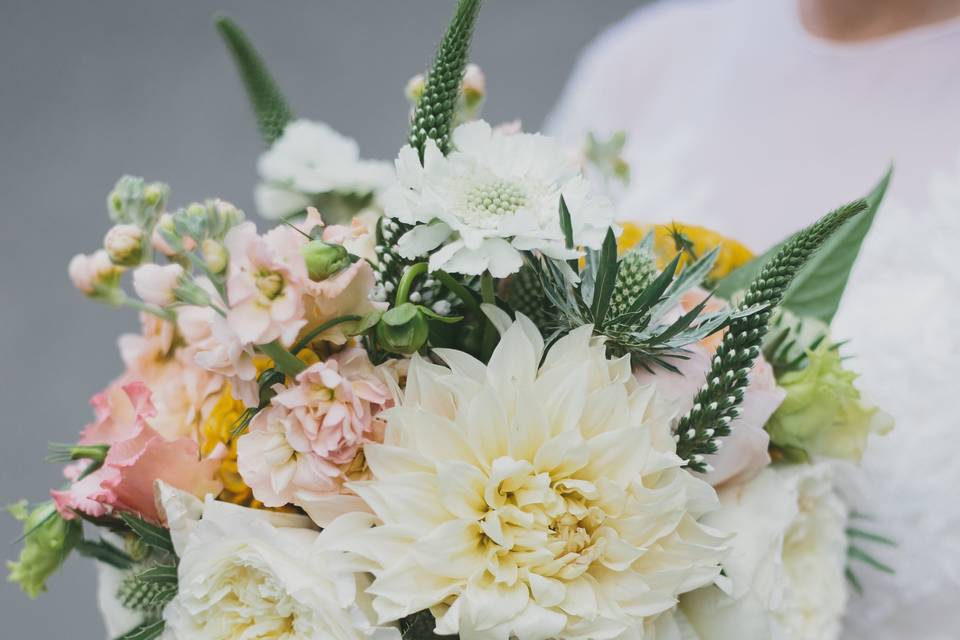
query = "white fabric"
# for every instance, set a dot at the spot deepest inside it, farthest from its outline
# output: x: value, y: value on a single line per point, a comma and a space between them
x: 740, y: 120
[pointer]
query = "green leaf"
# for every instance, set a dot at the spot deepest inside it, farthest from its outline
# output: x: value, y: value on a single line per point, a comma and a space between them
x: 159, y: 574
x: 818, y: 288
x: 105, y: 552
x: 856, y: 553
x: 606, y: 279
x: 269, y: 105
x: 155, y: 536
x: 147, y: 630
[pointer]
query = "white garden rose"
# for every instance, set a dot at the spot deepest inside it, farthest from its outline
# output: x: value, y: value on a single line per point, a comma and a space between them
x: 253, y: 574
x: 493, y: 196
x: 785, y: 573
x: 533, y: 501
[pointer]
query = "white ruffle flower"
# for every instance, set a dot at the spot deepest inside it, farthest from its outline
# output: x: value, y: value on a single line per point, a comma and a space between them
x: 310, y: 158
x: 533, y: 502
x: 247, y: 573
x: 492, y: 197
x: 785, y: 573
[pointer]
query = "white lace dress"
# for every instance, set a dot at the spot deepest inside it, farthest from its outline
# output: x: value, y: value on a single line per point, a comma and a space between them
x: 739, y: 120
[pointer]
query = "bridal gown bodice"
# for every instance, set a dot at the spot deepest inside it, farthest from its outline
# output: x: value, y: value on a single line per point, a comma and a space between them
x: 739, y: 120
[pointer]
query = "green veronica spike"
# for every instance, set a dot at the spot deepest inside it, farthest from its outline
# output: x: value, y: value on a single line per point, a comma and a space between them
x: 718, y: 401
x: 269, y: 105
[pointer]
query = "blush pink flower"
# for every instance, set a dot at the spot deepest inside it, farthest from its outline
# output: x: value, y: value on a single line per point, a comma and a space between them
x: 155, y: 284
x: 309, y: 441
x: 745, y: 451
x: 265, y: 284
x: 138, y: 456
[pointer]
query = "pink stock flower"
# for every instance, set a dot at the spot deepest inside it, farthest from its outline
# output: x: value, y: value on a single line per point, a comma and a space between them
x: 309, y: 441
x: 265, y: 284
x: 745, y: 451
x: 88, y: 271
x: 138, y: 456
x: 222, y: 352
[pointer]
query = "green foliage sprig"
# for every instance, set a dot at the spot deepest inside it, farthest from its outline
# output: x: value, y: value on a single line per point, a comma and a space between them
x: 718, y: 401
x: 269, y: 105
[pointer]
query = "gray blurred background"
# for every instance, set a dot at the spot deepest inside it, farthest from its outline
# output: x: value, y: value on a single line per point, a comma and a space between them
x: 90, y: 90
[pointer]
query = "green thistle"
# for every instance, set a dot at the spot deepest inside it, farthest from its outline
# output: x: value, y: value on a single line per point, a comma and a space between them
x: 526, y: 296
x: 718, y: 401
x: 637, y: 270
x: 269, y: 105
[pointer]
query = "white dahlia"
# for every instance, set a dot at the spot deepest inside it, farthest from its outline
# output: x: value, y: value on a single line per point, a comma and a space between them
x: 493, y: 196
x: 528, y: 501
x: 311, y: 159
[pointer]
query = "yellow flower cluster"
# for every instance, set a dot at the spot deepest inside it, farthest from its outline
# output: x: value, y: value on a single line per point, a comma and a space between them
x: 669, y: 239
x: 216, y: 430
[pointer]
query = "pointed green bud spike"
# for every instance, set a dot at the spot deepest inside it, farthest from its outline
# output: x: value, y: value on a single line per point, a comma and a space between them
x: 718, y: 402
x: 525, y: 294
x: 436, y: 108
x: 269, y: 105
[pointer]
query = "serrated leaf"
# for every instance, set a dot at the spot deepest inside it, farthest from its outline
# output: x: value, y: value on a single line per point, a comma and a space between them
x: 144, y: 631
x: 155, y: 536
x: 818, y: 288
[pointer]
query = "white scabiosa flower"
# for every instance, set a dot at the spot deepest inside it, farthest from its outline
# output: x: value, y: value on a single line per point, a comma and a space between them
x: 310, y: 159
x: 247, y: 573
x: 493, y: 196
x: 785, y: 573
x: 528, y: 501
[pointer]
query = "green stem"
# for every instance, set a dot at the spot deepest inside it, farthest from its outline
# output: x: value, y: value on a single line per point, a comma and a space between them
x: 406, y: 282
x: 283, y: 360
x: 489, y: 296
x: 164, y: 314
x: 307, y: 339
x: 460, y: 291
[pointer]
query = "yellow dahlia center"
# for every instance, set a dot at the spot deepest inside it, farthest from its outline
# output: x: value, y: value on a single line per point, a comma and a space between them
x: 536, y: 522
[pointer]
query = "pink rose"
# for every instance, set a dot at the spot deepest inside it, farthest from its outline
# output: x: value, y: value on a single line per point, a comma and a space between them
x: 138, y: 456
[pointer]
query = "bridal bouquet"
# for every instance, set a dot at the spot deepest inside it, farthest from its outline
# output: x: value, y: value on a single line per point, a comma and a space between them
x: 452, y: 397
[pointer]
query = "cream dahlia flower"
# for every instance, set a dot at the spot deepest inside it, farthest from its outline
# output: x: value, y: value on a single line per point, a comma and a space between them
x: 492, y: 197
x: 528, y: 501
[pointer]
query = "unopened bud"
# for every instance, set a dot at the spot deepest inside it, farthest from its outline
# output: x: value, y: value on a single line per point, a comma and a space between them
x: 323, y: 259
x: 215, y: 255
x: 474, y: 87
x: 156, y: 284
x: 133, y: 202
x: 403, y: 329
x: 124, y: 244
x: 414, y: 89
x: 95, y: 275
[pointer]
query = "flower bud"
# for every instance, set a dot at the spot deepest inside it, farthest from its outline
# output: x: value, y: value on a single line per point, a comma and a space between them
x: 474, y: 87
x: 324, y: 260
x: 166, y: 240
x: 215, y: 255
x: 414, y: 89
x: 133, y: 202
x: 156, y: 284
x: 403, y: 329
x: 95, y: 275
x: 48, y: 541
x: 124, y: 244
x: 221, y: 217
